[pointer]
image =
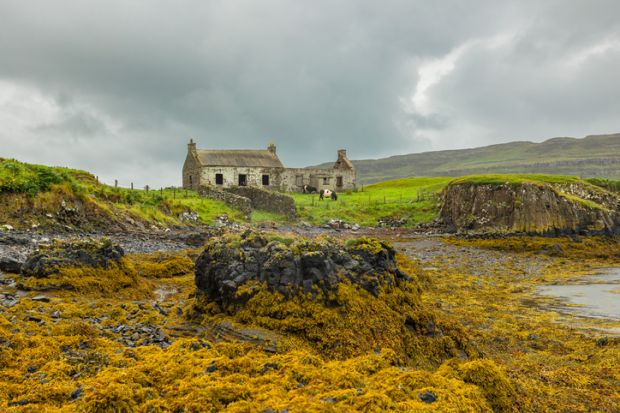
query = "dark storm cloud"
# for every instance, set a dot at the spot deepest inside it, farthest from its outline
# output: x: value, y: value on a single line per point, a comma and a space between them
x: 118, y: 87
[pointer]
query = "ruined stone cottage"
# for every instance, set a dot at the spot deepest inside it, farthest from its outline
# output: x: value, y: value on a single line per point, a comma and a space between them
x: 261, y: 168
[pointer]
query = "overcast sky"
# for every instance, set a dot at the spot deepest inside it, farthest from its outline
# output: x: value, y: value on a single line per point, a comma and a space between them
x: 118, y: 87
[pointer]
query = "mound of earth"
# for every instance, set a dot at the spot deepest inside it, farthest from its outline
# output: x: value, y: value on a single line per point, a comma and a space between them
x: 342, y: 299
x: 529, y: 207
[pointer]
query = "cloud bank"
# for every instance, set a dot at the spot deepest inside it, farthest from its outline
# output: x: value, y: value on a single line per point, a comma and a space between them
x: 118, y: 87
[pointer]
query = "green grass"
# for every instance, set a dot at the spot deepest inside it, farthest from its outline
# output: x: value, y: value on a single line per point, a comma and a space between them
x: 411, y: 198
x: 156, y: 206
x: 608, y: 184
x: 516, y: 179
x: 19, y: 177
x: 259, y: 216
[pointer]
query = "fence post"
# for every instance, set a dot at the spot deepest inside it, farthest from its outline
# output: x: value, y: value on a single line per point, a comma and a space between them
x: 116, y: 183
x: 132, y: 186
x: 146, y: 188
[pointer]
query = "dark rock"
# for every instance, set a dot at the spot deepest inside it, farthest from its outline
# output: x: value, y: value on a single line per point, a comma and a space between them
x: 76, y: 394
x: 428, y: 397
x: 269, y: 366
x: 8, y: 300
x: 48, y: 260
x: 211, y: 368
x: 32, y: 369
x: 306, y: 266
x: 602, y: 342
x: 21, y: 402
x: 160, y: 309
x: 11, y: 261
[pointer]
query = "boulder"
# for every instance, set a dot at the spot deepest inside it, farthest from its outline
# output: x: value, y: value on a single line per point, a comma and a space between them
x: 49, y: 259
x: 11, y: 260
x: 307, y: 266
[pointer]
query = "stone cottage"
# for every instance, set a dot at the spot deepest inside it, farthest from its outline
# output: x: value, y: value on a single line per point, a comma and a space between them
x: 261, y: 168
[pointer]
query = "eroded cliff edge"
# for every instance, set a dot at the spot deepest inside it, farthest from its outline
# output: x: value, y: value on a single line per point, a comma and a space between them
x: 474, y: 204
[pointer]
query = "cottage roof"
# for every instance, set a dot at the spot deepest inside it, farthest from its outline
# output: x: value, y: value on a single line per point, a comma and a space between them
x: 239, y: 157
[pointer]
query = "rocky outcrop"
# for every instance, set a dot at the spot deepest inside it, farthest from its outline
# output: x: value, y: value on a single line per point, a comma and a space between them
x: 50, y: 259
x: 529, y: 208
x: 289, y: 267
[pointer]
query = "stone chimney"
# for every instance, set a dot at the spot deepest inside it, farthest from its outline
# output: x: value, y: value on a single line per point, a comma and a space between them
x: 191, y: 146
x: 342, y: 154
x: 272, y: 148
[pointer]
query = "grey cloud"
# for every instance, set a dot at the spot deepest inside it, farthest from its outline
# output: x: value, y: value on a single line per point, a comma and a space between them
x: 312, y: 76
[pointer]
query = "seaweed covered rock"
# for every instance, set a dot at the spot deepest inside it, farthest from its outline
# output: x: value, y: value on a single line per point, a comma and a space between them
x: 309, y: 267
x: 97, y: 266
x: 50, y: 259
x: 341, y: 299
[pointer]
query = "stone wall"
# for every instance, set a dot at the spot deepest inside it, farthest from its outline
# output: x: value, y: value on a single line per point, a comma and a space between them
x: 230, y: 175
x: 267, y: 200
x: 191, y: 172
x: 293, y: 179
x: 241, y: 203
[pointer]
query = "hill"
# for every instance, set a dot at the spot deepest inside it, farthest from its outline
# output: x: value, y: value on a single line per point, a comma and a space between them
x: 592, y: 156
x: 57, y: 198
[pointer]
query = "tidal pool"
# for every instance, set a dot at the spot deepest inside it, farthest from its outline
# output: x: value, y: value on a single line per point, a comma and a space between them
x: 596, y: 296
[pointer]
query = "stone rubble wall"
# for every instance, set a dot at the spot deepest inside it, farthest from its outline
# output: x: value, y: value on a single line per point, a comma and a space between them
x: 239, y: 202
x: 266, y: 200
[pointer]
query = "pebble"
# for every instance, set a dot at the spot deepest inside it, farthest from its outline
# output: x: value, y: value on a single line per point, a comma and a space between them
x: 428, y: 397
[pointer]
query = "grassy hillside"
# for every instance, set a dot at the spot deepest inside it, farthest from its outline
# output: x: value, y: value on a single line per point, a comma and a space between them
x: 52, y: 196
x: 593, y: 156
x: 35, y: 195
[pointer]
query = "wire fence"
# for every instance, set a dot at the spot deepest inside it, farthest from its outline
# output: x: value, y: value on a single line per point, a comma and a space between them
x: 313, y: 201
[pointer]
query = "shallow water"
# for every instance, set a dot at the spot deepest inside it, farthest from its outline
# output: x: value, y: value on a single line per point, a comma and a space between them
x: 597, y: 296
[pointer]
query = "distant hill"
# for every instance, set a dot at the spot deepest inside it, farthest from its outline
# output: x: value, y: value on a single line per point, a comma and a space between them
x: 592, y: 156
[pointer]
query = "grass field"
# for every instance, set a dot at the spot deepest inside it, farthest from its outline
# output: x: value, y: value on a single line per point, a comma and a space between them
x: 412, y: 198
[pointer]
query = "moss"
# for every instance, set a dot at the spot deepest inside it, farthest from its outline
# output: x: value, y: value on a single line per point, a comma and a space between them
x: 86, y: 279
x: 161, y: 265
x: 488, y: 377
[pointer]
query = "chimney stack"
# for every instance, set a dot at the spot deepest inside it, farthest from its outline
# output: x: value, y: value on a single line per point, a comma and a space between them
x: 272, y: 148
x: 342, y: 153
x: 191, y: 146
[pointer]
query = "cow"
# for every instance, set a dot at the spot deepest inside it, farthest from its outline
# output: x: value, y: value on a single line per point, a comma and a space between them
x: 328, y: 193
x: 309, y: 189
